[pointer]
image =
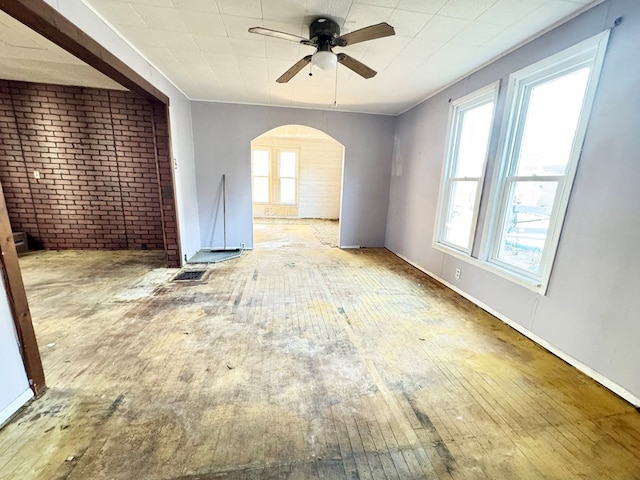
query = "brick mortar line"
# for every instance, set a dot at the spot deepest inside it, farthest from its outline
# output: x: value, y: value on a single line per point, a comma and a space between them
x: 115, y: 152
x: 159, y: 180
x: 24, y: 160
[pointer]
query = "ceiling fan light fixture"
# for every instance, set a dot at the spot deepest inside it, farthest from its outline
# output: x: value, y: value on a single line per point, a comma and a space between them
x: 324, y: 34
x: 324, y: 60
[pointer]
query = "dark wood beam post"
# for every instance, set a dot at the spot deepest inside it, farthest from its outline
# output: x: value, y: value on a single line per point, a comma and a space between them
x: 18, y: 302
x: 166, y: 183
x: 48, y: 22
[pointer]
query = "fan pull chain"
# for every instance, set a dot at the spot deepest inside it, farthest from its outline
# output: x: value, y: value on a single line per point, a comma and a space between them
x: 335, y: 93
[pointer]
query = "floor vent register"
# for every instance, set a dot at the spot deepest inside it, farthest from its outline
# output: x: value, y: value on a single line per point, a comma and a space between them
x: 189, y: 275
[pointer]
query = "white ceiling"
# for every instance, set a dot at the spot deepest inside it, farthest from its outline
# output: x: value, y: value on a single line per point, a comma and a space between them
x: 26, y: 56
x: 204, y: 48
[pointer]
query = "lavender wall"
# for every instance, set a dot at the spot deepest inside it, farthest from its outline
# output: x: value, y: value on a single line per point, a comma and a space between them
x: 589, y: 314
x: 222, y: 144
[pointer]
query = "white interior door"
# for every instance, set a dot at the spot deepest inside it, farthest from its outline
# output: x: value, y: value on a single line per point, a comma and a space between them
x: 14, y: 385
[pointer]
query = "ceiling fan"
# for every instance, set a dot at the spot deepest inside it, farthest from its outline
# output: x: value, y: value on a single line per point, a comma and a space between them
x: 324, y: 34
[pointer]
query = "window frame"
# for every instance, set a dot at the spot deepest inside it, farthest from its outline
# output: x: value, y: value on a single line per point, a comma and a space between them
x: 296, y: 152
x: 588, y: 53
x: 458, y: 107
x: 254, y: 176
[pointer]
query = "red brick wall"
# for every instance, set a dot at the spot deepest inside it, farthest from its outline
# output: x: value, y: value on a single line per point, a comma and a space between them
x: 105, y: 169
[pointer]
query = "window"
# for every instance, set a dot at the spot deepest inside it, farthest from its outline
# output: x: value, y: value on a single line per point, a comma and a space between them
x: 261, y: 167
x: 547, y: 109
x: 471, y: 119
x: 549, y: 105
x: 287, y: 176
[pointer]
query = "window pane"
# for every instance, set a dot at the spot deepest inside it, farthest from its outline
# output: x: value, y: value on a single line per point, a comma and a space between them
x: 473, y: 140
x: 550, y: 124
x: 459, y: 218
x: 288, y: 164
x: 260, y: 189
x: 526, y: 224
x: 471, y: 119
x: 261, y: 163
x: 287, y: 190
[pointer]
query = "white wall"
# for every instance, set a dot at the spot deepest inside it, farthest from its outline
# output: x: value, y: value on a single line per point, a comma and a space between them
x: 590, y: 311
x: 184, y: 175
x: 180, y: 115
x: 14, y: 386
x: 222, y: 138
x: 320, y: 179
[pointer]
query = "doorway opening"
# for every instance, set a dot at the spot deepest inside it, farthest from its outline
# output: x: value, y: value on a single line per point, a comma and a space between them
x: 296, y: 179
x: 86, y: 195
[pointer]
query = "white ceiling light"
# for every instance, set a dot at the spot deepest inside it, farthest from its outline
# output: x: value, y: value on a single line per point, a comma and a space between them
x: 324, y: 60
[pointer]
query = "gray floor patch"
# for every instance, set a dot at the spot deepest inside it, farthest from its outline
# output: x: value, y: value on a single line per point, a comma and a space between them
x: 213, y: 256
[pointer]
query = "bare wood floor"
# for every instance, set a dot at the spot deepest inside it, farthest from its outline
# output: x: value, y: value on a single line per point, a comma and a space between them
x: 296, y: 361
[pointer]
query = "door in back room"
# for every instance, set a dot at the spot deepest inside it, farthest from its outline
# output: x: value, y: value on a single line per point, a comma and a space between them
x: 14, y: 385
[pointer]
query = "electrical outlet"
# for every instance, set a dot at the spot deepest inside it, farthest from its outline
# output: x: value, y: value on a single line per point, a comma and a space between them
x: 36, y: 174
x: 242, y: 246
x: 458, y: 273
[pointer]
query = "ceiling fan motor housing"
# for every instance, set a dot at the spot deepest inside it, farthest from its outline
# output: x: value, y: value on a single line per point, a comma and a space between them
x: 323, y: 32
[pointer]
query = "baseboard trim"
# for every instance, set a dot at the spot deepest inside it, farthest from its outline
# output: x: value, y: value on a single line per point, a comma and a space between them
x: 598, y: 377
x: 14, y: 406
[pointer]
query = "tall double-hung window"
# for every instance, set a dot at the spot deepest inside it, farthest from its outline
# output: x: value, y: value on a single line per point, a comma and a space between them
x: 261, y: 173
x: 546, y: 114
x: 471, y: 120
x: 549, y: 105
x: 287, y: 173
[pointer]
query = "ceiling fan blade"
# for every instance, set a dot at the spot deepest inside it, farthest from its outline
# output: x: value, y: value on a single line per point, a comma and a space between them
x: 367, y: 33
x: 299, y: 65
x: 358, y: 67
x: 276, y: 34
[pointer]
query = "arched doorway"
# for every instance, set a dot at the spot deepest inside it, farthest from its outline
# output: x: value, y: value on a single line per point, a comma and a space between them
x: 296, y: 176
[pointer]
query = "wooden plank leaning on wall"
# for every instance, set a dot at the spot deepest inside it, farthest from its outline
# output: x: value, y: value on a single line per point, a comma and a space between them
x: 18, y: 302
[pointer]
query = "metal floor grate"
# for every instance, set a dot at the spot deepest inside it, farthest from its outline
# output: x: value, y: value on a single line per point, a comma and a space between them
x: 189, y: 275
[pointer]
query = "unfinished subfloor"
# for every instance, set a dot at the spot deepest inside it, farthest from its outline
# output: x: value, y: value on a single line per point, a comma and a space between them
x: 296, y: 361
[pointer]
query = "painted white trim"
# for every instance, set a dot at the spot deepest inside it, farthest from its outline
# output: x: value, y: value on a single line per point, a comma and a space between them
x: 318, y: 108
x: 349, y: 247
x: 598, y: 377
x: 14, y: 406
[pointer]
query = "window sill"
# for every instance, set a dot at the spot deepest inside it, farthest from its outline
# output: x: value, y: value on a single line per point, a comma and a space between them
x: 521, y: 280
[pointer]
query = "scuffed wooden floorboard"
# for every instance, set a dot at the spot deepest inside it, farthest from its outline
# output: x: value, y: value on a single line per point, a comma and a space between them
x: 296, y: 361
